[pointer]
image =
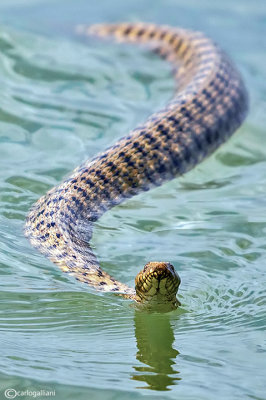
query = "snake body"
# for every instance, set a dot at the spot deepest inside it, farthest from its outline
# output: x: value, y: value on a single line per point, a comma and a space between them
x: 209, y: 105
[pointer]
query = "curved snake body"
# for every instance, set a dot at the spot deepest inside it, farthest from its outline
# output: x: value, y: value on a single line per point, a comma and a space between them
x: 209, y: 105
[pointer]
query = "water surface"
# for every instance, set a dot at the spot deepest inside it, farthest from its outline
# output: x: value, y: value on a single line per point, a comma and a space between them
x: 64, y: 99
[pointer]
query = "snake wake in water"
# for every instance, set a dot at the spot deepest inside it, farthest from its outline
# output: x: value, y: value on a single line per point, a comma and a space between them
x: 209, y: 105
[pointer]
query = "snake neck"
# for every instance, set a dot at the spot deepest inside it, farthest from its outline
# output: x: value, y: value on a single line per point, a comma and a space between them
x: 64, y: 238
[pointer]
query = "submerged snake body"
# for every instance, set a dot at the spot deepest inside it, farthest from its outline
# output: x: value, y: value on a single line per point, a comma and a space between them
x: 209, y: 105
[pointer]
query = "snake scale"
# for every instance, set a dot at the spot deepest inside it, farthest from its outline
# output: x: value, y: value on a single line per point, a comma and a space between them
x: 209, y: 105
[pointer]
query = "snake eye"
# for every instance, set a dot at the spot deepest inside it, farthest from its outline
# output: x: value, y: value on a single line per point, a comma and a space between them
x: 170, y: 267
x: 146, y: 267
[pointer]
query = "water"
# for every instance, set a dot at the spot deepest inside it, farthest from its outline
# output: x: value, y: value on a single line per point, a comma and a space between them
x: 64, y: 99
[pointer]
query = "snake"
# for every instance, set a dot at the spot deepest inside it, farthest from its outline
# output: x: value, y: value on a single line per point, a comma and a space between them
x: 209, y: 104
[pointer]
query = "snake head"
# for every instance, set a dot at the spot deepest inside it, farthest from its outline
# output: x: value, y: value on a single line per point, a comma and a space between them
x: 157, y: 284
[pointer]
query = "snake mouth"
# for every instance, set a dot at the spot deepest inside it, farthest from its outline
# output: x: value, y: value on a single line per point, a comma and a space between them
x: 157, y: 283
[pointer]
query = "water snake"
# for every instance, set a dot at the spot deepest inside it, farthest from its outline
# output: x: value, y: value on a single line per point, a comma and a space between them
x: 209, y: 105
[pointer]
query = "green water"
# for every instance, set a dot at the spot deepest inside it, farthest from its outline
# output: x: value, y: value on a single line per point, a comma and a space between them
x: 64, y: 99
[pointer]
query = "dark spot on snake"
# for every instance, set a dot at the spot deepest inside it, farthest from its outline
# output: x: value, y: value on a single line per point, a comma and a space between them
x: 197, y: 104
x: 128, y: 30
x: 127, y: 158
x: 178, y: 45
x: 206, y: 94
x: 140, y: 149
x: 172, y: 39
x: 161, y: 169
x: 208, y: 135
x: 70, y: 209
x: 90, y: 183
x: 141, y: 32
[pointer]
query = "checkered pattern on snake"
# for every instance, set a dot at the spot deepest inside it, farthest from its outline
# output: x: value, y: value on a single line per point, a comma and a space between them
x: 209, y: 105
